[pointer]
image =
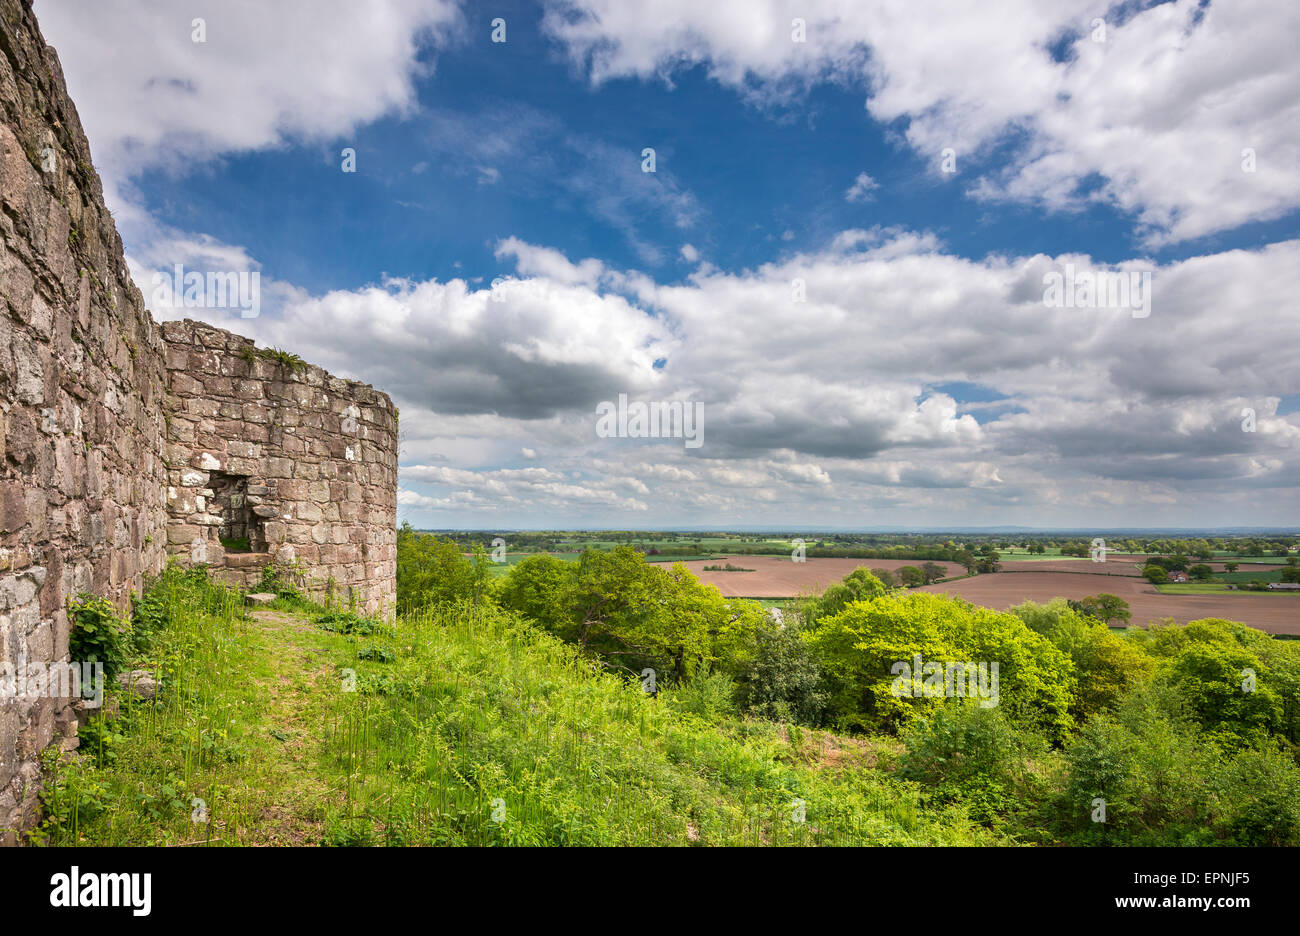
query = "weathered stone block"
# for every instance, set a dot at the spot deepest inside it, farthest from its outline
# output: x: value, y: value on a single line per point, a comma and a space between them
x: 181, y: 534
x: 13, y: 507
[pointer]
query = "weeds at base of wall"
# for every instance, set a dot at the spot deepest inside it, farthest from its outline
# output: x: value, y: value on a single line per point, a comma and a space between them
x: 290, y: 583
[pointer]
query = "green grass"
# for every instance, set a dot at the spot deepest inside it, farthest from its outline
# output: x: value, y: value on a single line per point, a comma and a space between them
x: 1212, y: 588
x: 672, y: 557
x: 456, y: 720
x: 1221, y: 556
x: 512, y: 717
x: 1273, y: 576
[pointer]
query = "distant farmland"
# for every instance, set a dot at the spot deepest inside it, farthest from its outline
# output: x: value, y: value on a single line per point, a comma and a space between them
x: 1027, y: 580
x: 779, y: 577
x: 1277, y: 614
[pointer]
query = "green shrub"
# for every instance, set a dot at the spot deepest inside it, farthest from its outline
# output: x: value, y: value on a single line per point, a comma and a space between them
x: 784, y: 682
x: 967, y: 753
x: 431, y: 571
x: 99, y: 634
x: 72, y: 796
x: 284, y: 358
x: 1150, y: 765
x: 99, y: 738
x: 345, y: 622
x: 149, y: 615
x: 1260, y: 795
x: 632, y: 613
x: 961, y: 742
x: 710, y: 695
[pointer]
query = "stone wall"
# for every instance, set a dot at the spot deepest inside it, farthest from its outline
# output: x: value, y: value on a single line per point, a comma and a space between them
x: 299, y: 464
x: 82, y: 477
x: 121, y: 441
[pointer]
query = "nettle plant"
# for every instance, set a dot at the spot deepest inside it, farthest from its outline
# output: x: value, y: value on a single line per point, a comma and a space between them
x: 99, y: 634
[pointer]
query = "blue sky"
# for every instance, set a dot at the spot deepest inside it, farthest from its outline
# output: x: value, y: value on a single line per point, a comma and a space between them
x: 922, y: 380
x: 425, y: 204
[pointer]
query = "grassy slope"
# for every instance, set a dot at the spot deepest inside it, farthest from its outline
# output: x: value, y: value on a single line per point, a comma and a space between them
x: 468, y: 717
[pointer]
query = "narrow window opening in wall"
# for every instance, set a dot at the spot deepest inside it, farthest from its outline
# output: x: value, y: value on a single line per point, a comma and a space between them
x: 240, y: 529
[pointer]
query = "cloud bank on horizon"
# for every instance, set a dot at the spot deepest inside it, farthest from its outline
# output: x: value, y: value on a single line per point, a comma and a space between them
x: 841, y: 250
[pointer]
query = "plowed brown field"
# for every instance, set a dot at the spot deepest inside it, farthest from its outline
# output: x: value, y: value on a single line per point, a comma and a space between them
x: 778, y: 577
x: 1277, y: 614
x: 1028, y: 580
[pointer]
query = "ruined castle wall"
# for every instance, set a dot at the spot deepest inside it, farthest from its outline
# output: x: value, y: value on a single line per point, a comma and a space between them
x: 309, y: 460
x: 118, y: 436
x: 82, y: 477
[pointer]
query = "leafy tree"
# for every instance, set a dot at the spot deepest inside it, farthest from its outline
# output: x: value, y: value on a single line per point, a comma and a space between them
x: 633, y: 613
x: 432, y: 570
x: 701, y: 626
x: 1106, y: 607
x: 931, y: 572
x: 1155, y: 575
x: 1234, y: 678
x: 860, y: 647
x: 911, y: 576
x: 784, y: 682
x: 989, y: 562
x: 537, y: 588
x: 887, y: 577
x: 858, y: 585
x: 1108, y: 666
x: 1211, y: 677
x: 1200, y: 571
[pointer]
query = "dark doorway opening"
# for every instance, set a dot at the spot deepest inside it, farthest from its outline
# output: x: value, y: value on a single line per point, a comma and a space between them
x: 240, y: 529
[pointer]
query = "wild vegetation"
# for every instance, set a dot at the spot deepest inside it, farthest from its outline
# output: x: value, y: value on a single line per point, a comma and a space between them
x: 464, y: 726
x: 610, y: 700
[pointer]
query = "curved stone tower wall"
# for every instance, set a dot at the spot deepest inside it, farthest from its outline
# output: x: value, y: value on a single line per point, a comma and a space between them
x: 311, y: 460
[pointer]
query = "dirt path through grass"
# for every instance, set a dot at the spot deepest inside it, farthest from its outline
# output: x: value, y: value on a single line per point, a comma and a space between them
x: 292, y: 686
